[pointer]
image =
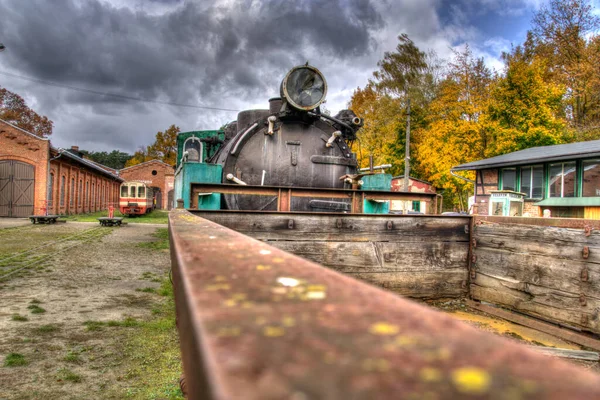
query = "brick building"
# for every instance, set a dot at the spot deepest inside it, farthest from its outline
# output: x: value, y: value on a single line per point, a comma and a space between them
x: 156, y: 174
x: 414, y: 186
x: 564, y: 179
x: 34, y: 176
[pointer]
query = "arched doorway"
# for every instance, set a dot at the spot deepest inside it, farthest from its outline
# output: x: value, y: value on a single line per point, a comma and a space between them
x: 16, y: 188
x: 157, y: 197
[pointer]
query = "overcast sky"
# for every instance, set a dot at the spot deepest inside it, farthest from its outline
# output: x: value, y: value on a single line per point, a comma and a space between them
x: 228, y: 54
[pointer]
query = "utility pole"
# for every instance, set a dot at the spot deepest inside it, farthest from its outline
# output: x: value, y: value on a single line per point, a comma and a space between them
x: 407, y: 153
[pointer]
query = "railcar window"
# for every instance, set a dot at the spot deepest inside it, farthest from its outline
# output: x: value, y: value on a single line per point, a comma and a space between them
x: 124, y: 191
x: 133, y: 191
x: 141, y: 192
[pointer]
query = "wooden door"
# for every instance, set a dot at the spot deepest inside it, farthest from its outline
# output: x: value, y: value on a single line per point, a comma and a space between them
x: 16, y: 189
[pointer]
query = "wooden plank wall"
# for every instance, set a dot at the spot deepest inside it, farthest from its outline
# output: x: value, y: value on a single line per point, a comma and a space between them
x: 416, y: 256
x: 540, y: 271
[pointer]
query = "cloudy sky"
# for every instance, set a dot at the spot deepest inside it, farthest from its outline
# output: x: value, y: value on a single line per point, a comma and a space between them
x: 227, y: 54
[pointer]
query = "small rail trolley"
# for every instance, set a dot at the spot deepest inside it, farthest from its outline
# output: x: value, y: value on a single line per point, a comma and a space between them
x: 136, y: 198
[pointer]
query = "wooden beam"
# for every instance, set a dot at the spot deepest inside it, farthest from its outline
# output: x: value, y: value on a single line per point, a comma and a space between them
x: 545, y: 327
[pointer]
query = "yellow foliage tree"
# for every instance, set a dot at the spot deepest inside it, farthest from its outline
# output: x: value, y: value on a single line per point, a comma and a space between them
x: 380, y: 134
x: 164, y: 148
x: 458, y: 130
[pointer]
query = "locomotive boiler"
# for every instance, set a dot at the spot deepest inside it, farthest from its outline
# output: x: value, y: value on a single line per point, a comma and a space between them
x: 290, y: 144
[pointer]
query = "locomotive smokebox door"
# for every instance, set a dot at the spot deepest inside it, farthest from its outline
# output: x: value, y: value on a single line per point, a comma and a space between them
x: 291, y: 145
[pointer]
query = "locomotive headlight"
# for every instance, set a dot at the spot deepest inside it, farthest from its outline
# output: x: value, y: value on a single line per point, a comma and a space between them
x: 304, y: 87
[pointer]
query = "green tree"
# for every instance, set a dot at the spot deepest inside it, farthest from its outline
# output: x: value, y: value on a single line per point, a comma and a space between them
x: 14, y: 110
x: 115, y: 159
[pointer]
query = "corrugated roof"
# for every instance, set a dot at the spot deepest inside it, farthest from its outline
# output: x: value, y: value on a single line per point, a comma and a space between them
x: 559, y: 152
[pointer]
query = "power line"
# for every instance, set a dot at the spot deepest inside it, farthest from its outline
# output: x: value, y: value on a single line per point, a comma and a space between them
x: 120, y: 96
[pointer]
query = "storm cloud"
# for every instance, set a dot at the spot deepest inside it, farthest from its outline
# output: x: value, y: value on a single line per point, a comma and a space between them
x: 226, y: 54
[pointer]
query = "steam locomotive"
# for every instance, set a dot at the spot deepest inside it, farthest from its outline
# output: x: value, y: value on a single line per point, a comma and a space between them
x: 290, y: 144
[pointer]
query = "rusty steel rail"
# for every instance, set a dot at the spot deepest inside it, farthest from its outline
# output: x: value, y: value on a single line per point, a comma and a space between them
x: 285, y: 194
x: 256, y: 322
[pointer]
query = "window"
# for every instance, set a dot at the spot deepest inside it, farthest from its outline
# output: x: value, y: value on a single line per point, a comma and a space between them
x: 591, y: 178
x: 416, y: 206
x: 532, y: 181
x: 193, y: 146
x: 92, y: 198
x: 72, y: 193
x: 79, y: 193
x: 132, y: 191
x: 509, y: 179
x: 86, y: 195
x: 50, y: 190
x: 561, y: 182
x: 124, y: 190
x: 62, y: 191
x: 141, y: 192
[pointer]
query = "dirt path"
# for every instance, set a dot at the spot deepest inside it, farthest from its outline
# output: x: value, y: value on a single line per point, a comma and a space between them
x: 67, y: 314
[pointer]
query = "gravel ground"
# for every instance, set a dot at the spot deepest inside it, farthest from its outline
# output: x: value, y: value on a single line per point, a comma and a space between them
x: 106, y: 278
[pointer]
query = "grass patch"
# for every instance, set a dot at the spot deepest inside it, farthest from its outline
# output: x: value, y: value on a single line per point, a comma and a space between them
x: 127, y: 323
x: 72, y: 357
x: 98, y: 325
x: 35, y: 309
x: 162, y: 242
x: 65, y: 374
x: 151, y: 351
x: 94, y: 325
x: 146, y: 290
x: 166, y: 289
x: 15, y: 360
x: 155, y: 217
x: 18, y: 317
x: 35, y: 301
x: 46, y: 329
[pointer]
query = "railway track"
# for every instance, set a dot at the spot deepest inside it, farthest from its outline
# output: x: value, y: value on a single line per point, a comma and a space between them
x: 41, y: 256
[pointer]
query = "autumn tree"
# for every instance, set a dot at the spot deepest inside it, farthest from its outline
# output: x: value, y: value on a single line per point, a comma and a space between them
x: 565, y: 35
x: 525, y: 109
x: 164, y: 148
x: 458, y: 129
x: 407, y: 74
x: 14, y: 110
x: 380, y: 135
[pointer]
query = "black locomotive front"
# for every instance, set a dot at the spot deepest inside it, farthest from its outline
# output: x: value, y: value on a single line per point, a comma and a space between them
x: 292, y: 144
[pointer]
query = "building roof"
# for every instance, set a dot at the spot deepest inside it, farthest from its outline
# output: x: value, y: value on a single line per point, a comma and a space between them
x: 24, y: 131
x: 559, y: 152
x: 413, y: 179
x: 88, y: 163
x: 148, y: 162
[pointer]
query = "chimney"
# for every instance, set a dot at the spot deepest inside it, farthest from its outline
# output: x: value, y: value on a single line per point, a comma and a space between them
x: 75, y: 148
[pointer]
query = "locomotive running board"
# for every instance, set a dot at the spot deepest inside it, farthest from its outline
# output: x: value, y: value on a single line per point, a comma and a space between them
x: 285, y: 194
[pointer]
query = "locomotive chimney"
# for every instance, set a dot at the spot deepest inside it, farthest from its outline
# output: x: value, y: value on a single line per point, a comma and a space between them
x: 275, y: 105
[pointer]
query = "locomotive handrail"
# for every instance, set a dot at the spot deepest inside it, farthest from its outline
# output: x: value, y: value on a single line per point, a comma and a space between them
x: 256, y: 322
